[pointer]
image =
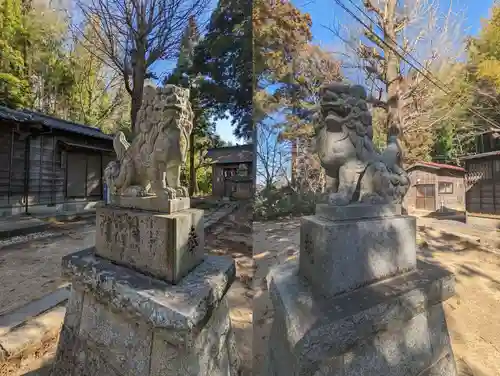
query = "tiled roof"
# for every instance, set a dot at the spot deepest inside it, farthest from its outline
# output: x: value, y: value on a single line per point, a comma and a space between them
x: 32, y: 117
x: 438, y: 166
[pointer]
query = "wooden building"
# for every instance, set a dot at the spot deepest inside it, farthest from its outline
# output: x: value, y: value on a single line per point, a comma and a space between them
x: 49, y: 165
x: 435, y: 188
x: 483, y: 189
x: 232, y: 171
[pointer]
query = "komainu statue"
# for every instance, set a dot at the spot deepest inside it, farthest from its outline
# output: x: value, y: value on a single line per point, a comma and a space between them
x: 344, y: 142
x: 151, y: 164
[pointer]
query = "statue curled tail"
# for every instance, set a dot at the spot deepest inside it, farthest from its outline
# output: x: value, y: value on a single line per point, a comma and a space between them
x: 115, y: 174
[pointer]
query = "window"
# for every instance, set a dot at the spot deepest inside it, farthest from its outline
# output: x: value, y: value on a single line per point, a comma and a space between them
x: 228, y: 172
x: 445, y: 187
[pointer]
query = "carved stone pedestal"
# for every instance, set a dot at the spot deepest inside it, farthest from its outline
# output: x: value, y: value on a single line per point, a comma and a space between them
x: 146, y: 301
x: 357, y: 302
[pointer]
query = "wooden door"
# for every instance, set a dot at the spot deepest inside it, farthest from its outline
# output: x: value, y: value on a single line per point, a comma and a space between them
x: 426, y: 197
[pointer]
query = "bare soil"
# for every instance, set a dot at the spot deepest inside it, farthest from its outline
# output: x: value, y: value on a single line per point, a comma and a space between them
x: 472, y: 314
x: 29, y: 270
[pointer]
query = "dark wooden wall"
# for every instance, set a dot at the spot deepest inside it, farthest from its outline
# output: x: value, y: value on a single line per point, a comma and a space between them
x: 483, y: 185
x: 12, y: 165
x: 219, y: 186
x: 40, y: 169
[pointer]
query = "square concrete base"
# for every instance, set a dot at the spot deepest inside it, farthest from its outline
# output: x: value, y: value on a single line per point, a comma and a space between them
x: 337, y: 256
x: 152, y: 203
x: 121, y: 323
x: 166, y: 246
x: 393, y: 328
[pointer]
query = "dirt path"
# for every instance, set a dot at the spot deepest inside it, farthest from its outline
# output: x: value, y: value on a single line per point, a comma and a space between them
x: 233, y: 237
x: 31, y: 269
x: 472, y: 314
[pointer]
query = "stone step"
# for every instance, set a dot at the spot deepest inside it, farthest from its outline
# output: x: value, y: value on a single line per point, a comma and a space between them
x: 22, y: 226
x: 16, y: 318
x: 29, y: 329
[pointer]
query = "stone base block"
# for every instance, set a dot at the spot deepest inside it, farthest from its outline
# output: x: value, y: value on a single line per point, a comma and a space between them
x: 356, y: 211
x: 166, y: 246
x: 121, y: 323
x: 152, y: 203
x: 396, y: 327
x: 340, y: 256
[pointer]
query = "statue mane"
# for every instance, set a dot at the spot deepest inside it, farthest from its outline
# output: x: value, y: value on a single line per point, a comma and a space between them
x: 344, y: 142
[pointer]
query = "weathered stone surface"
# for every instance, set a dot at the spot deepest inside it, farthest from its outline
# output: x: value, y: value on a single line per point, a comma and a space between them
x: 74, y: 309
x: 164, y: 246
x: 344, y: 141
x: 179, y: 308
x: 444, y: 367
x: 89, y: 362
x: 400, y: 352
x: 152, y: 163
x: 206, y: 353
x: 133, y: 325
x: 380, y: 329
x: 339, y: 256
x: 67, y: 349
x: 152, y: 203
x: 356, y: 211
x: 124, y: 343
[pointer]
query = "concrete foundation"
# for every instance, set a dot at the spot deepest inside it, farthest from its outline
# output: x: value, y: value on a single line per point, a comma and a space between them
x: 364, y: 306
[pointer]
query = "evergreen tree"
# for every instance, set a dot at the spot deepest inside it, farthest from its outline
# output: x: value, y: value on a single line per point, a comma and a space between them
x: 14, y: 84
x: 186, y: 74
x: 225, y: 56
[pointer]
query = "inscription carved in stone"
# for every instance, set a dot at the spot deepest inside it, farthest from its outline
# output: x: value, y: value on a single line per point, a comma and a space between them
x: 193, y: 241
x: 308, y: 247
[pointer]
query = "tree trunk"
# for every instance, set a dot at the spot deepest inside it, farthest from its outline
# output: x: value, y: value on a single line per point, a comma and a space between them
x: 393, y: 75
x: 193, y: 184
x: 138, y: 77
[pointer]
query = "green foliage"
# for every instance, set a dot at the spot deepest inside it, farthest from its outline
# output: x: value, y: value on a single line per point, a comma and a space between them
x: 274, y: 203
x: 225, y: 57
x: 14, y: 84
x: 486, y: 49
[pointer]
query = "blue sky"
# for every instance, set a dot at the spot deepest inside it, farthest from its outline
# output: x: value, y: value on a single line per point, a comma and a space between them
x: 325, y: 12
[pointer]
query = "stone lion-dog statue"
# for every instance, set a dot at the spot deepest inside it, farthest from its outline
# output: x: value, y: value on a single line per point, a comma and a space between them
x: 151, y: 164
x: 344, y: 143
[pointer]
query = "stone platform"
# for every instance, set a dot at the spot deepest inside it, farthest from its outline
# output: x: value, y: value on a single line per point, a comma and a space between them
x: 152, y: 203
x: 146, y: 300
x: 357, y: 302
x: 120, y: 322
x: 395, y: 327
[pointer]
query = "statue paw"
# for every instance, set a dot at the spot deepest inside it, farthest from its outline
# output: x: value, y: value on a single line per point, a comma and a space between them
x: 171, y: 193
x: 182, y: 192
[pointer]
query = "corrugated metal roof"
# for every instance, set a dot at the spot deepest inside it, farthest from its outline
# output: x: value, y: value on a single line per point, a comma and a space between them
x: 481, y: 155
x: 231, y: 154
x: 33, y: 117
x: 438, y: 166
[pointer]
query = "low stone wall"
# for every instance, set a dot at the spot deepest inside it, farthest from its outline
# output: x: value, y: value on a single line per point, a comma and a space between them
x: 71, y: 205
